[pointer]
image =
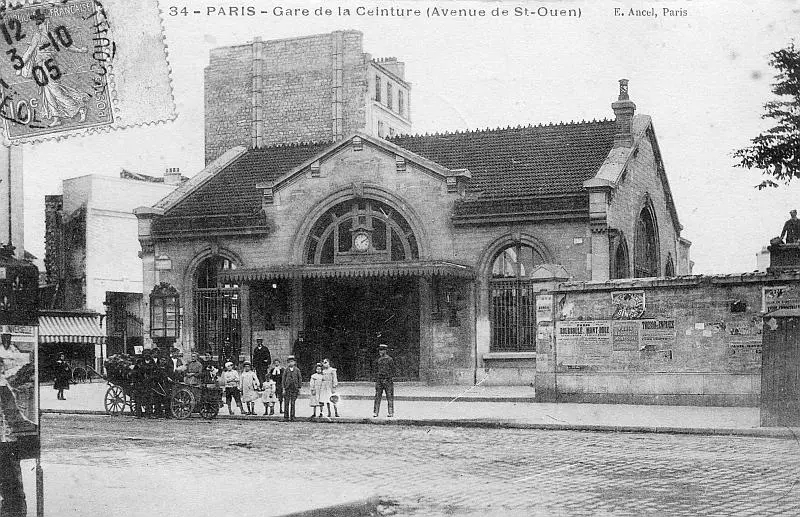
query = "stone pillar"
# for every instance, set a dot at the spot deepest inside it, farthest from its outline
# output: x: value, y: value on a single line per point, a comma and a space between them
x: 297, y: 324
x: 600, y: 255
x: 145, y: 217
x: 425, y: 330
x: 545, y: 382
x: 244, y: 314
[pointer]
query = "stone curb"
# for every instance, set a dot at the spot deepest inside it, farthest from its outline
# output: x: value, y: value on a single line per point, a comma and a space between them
x: 364, y: 507
x: 758, y: 432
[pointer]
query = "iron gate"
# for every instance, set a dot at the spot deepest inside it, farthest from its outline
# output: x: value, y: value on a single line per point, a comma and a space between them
x: 217, y: 317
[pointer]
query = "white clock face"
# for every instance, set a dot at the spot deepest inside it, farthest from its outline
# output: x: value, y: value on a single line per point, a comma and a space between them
x: 361, y: 242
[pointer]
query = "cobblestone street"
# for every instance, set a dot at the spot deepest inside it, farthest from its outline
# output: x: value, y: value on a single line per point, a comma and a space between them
x: 121, y: 466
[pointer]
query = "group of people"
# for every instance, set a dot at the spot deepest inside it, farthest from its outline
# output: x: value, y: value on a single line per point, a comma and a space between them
x: 261, y: 379
x: 279, y: 385
x: 150, y: 380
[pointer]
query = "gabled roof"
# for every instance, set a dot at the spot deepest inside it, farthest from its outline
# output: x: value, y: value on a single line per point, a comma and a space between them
x: 544, y: 160
x: 232, y: 189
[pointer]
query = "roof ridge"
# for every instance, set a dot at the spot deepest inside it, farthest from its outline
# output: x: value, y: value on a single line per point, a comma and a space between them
x: 498, y: 129
x: 292, y: 145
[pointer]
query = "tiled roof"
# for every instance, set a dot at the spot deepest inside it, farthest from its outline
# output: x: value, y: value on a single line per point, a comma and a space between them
x: 233, y: 189
x: 508, y: 166
x: 539, y: 160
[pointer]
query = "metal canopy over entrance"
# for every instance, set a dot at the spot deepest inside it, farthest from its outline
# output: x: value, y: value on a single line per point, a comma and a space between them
x: 426, y: 268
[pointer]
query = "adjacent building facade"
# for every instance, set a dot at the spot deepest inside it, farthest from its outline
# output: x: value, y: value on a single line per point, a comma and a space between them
x: 310, y: 89
x: 92, y: 259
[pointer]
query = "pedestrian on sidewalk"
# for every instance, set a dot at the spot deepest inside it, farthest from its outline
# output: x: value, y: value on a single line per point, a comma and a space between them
x: 276, y: 374
x: 250, y: 388
x: 261, y: 360
x: 384, y: 380
x: 63, y: 374
x: 292, y: 380
x: 330, y: 381
x: 315, y: 384
x: 269, y: 396
x: 232, y: 382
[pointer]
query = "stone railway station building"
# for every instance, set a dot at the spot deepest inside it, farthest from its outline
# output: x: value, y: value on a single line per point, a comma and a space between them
x: 323, y: 227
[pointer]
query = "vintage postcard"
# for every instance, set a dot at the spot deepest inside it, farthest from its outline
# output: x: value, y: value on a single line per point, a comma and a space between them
x: 413, y: 257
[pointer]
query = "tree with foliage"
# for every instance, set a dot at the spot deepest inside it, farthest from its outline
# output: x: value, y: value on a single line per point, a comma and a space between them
x: 776, y: 151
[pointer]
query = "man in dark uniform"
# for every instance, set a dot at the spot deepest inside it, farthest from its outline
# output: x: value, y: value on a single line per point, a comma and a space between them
x: 791, y: 229
x: 384, y: 380
x: 262, y: 360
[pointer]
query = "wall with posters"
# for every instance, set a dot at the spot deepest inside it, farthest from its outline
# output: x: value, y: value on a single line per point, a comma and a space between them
x: 687, y: 340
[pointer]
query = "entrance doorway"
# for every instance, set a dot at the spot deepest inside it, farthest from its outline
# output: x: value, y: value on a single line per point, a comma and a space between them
x: 346, y: 319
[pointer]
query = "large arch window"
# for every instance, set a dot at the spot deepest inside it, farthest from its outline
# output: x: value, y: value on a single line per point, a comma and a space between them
x: 216, y: 309
x: 361, y: 229
x: 645, y: 251
x: 512, y: 310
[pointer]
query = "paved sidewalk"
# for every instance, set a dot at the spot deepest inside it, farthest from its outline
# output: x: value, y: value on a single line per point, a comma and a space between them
x: 488, y: 406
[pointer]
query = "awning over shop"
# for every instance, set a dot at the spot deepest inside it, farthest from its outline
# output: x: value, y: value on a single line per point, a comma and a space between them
x: 425, y: 268
x: 70, y: 329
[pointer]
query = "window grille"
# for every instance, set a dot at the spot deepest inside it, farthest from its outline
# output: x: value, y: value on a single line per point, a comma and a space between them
x: 512, y: 300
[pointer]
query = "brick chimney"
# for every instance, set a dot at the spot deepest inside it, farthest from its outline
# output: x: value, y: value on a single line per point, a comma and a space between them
x: 391, y: 64
x: 624, y: 108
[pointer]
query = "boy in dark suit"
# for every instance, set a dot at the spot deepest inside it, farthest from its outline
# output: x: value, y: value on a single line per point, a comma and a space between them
x: 292, y: 381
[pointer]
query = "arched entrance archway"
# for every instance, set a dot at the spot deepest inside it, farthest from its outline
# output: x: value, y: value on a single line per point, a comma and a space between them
x: 346, y: 317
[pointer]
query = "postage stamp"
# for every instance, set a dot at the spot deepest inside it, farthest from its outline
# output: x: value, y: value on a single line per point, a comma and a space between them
x: 73, y: 67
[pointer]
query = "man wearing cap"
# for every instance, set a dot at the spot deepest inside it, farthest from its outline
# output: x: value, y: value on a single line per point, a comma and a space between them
x: 292, y: 381
x: 791, y: 229
x: 384, y: 380
x: 261, y: 360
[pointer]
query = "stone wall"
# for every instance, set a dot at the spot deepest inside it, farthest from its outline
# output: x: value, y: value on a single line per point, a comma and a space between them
x: 307, y: 84
x: 690, y: 340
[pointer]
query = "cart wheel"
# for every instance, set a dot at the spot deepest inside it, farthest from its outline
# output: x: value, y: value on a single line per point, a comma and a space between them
x: 182, y: 403
x: 209, y: 410
x: 115, y: 400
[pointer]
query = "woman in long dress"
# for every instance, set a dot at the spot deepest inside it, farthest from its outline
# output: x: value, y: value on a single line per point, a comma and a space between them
x: 58, y: 101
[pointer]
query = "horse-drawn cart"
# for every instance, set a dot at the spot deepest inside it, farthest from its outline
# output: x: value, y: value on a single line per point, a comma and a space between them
x: 127, y: 388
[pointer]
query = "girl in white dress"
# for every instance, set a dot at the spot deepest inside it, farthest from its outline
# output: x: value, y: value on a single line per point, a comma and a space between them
x: 316, y: 387
x: 330, y: 381
x: 250, y: 387
x: 269, y: 396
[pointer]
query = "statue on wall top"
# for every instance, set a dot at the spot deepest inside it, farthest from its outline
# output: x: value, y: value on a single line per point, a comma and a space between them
x: 791, y: 229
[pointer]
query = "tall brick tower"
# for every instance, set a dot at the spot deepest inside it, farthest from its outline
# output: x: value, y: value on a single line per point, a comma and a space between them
x: 310, y: 88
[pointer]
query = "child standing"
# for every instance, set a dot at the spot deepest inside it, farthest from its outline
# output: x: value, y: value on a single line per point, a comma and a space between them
x: 330, y: 380
x: 249, y: 387
x: 276, y: 374
x: 232, y: 382
x: 316, y: 388
x: 269, y: 396
x: 292, y: 380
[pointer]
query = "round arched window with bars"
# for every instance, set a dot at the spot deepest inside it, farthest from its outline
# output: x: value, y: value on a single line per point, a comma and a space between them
x: 512, y: 310
x: 360, y: 229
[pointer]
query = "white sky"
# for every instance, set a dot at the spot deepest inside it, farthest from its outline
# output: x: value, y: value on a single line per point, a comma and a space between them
x: 702, y: 77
